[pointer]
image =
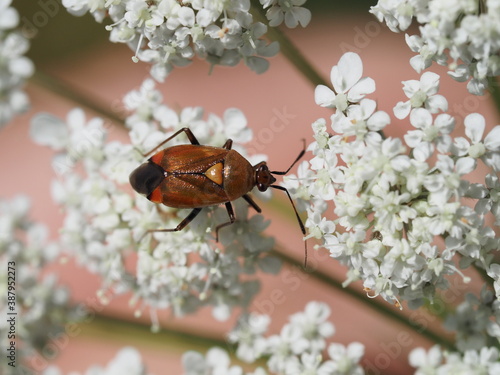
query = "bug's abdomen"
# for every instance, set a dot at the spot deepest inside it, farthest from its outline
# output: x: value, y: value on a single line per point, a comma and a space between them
x: 191, y: 191
x: 200, y: 176
x: 239, y: 176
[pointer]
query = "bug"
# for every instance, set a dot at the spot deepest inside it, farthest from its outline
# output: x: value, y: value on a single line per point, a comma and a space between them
x: 196, y: 176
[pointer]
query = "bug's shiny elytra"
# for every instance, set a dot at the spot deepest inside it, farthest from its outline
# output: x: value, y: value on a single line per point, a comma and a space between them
x: 196, y: 176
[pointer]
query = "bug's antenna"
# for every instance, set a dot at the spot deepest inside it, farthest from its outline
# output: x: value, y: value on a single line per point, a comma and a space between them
x: 301, y: 224
x: 295, y: 161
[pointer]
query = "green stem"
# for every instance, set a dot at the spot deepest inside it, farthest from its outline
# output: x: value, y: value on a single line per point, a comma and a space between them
x: 118, y: 329
x: 494, y: 89
x: 288, y: 49
x: 74, y: 94
x: 382, y: 308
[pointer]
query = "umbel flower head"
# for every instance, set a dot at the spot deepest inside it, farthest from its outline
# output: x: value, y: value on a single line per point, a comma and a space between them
x: 462, y: 35
x: 301, y: 347
x: 31, y: 296
x: 396, y: 203
x: 168, y: 33
x: 105, y: 224
x: 15, y: 68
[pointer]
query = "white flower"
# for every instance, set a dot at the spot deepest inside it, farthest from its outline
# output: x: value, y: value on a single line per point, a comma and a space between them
x: 389, y: 11
x: 430, y: 134
x: 437, y: 361
x: 343, y: 360
x: 426, y: 362
x: 449, y: 32
x: 348, y: 84
x: 285, y: 346
x: 9, y: 18
x: 487, y: 149
x: 127, y: 361
x: 166, y: 33
x: 42, y: 305
x: 15, y: 68
x: 288, y: 10
x: 392, y: 205
x: 421, y: 94
x: 248, y: 334
x: 79, y: 139
x: 314, y: 325
x: 215, y: 362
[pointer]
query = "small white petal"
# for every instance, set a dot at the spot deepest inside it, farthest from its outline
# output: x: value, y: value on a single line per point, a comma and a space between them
x: 302, y: 15
x: 492, y: 140
x: 402, y: 110
x: 460, y: 146
x: 186, y: 16
x: 361, y: 89
x: 436, y: 103
x: 474, y: 127
x: 348, y: 71
x: 235, y: 119
x: 420, y: 118
x: 422, y: 151
x: 465, y: 165
x: 21, y: 66
x: 48, y: 130
x: 418, y: 63
x: 324, y: 96
x: 476, y: 87
x: 413, y: 138
x: 378, y: 121
x: 9, y: 18
x: 429, y: 83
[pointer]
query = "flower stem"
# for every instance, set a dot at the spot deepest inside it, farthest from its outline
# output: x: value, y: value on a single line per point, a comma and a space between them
x: 494, y: 88
x: 288, y: 49
x: 74, y: 94
x: 384, y: 309
x: 119, y: 330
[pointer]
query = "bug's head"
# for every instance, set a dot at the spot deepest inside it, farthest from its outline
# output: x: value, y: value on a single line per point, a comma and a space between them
x: 263, y: 177
x: 146, y: 178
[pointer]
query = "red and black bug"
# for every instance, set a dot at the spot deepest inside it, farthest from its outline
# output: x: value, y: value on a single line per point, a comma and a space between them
x: 196, y: 176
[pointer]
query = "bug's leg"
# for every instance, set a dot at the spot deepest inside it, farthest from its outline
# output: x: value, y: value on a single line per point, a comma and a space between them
x: 302, y: 228
x: 251, y: 202
x: 228, y: 144
x: 189, y: 218
x: 189, y: 134
x: 301, y: 224
x: 230, y: 212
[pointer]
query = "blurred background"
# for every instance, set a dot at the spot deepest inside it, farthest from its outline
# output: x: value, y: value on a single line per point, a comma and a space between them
x: 74, y: 53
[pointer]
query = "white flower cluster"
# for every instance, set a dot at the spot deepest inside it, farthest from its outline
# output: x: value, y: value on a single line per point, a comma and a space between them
x: 127, y: 361
x: 168, y: 33
x: 298, y: 349
x: 104, y: 224
x: 15, y: 68
x: 395, y: 204
x: 441, y: 362
x: 460, y: 34
x: 476, y: 322
x: 42, y: 306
